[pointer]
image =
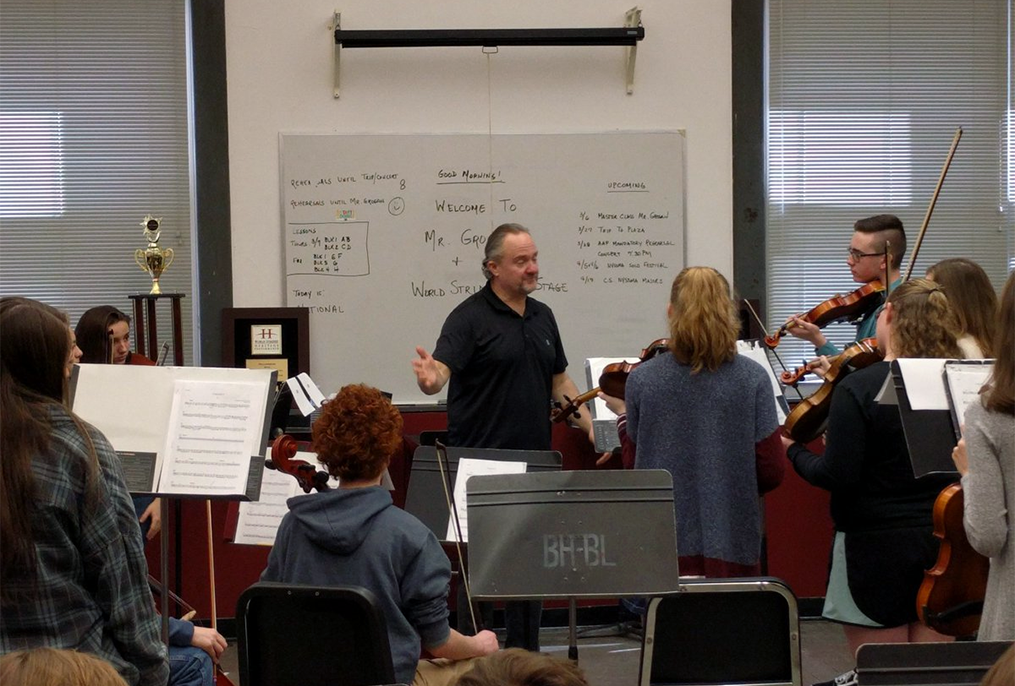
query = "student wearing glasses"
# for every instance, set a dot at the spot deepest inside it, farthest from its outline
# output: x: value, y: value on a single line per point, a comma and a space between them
x: 866, y: 261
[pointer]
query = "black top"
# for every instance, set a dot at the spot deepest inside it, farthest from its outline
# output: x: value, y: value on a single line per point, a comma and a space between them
x: 866, y: 462
x: 502, y: 367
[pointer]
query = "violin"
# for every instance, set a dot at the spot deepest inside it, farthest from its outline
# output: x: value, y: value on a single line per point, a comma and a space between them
x: 950, y: 600
x: 809, y: 418
x: 838, y: 308
x: 612, y: 381
x: 283, y: 450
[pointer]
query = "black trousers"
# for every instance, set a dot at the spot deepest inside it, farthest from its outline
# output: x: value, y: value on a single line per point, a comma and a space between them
x: 521, y: 619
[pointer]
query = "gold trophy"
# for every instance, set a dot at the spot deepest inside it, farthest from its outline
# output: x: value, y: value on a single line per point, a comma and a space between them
x: 153, y: 259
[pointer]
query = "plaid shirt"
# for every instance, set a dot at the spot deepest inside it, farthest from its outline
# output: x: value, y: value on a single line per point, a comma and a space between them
x: 91, y: 593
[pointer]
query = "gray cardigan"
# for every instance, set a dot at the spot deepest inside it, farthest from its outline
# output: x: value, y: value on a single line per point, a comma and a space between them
x: 989, y: 490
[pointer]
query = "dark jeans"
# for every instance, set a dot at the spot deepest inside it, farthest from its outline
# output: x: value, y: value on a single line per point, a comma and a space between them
x: 521, y: 618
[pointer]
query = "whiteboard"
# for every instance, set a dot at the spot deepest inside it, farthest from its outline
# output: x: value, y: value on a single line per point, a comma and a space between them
x: 384, y: 236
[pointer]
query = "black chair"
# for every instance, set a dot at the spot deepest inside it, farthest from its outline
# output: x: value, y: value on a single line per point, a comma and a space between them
x: 431, y: 437
x: 311, y: 636
x: 723, y: 631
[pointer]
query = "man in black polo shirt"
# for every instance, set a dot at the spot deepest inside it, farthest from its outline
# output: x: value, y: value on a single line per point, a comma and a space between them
x: 502, y: 353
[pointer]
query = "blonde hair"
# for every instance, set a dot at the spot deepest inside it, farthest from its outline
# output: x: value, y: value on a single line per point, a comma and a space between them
x: 55, y: 667
x: 703, y: 319
x: 924, y: 323
x: 1002, y: 673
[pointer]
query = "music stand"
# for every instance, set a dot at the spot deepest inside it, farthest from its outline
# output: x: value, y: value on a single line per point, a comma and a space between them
x: 424, y: 497
x: 959, y: 663
x: 929, y: 433
x: 572, y: 535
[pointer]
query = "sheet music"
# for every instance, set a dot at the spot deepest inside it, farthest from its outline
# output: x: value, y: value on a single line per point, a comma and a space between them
x: 258, y: 522
x: 214, y: 428
x: 757, y: 353
x: 964, y: 382
x: 469, y: 467
x: 924, y: 383
x: 593, y: 370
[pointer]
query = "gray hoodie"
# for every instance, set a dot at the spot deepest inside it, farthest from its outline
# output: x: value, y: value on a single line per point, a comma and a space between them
x: 358, y: 537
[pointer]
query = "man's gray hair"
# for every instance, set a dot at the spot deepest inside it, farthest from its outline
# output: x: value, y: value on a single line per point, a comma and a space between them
x: 495, y: 244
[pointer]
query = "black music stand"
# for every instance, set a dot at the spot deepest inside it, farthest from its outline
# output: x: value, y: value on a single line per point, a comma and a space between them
x: 958, y: 663
x: 424, y: 497
x: 929, y: 433
x: 572, y: 535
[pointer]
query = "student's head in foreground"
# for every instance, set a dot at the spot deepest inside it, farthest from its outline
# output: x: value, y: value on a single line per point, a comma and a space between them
x: 517, y: 667
x: 357, y: 433
x: 53, y: 667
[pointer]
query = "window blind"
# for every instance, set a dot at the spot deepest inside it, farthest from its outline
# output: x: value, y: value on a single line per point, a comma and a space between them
x: 863, y: 100
x: 94, y: 135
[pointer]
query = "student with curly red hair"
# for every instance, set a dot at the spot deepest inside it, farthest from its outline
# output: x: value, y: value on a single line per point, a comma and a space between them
x: 354, y: 535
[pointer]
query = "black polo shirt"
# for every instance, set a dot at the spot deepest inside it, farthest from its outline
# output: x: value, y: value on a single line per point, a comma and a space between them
x: 502, y: 366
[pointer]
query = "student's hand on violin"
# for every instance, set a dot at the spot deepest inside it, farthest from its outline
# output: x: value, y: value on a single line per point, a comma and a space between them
x: 820, y: 366
x: 797, y: 327
x: 786, y: 441
x: 616, y: 405
x: 960, y: 457
x: 153, y: 512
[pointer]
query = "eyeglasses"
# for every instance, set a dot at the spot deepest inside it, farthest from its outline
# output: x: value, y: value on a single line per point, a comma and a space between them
x: 856, y: 254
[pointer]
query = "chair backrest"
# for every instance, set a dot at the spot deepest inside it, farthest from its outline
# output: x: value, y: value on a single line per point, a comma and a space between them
x: 311, y: 636
x: 723, y: 631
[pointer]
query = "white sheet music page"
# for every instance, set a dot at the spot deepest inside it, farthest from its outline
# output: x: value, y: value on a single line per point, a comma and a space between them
x: 924, y: 383
x: 258, y: 521
x: 964, y: 382
x: 214, y: 428
x: 467, y: 468
x: 757, y: 353
x: 594, y: 368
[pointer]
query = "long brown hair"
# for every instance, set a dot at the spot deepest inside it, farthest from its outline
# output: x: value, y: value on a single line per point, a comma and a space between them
x: 93, y: 332
x: 924, y: 323
x: 34, y: 345
x: 1000, y: 393
x: 972, y: 297
x: 703, y: 319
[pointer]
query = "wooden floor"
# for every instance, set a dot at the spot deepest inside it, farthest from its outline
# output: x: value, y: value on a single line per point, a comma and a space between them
x: 613, y: 660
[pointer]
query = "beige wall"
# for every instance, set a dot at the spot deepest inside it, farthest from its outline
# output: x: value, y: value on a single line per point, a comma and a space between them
x: 280, y: 79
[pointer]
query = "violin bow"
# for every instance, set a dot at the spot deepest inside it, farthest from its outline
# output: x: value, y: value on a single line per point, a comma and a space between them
x: 765, y: 331
x: 933, y: 201
x: 445, y: 469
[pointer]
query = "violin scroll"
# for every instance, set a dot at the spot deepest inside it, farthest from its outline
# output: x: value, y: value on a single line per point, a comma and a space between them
x: 283, y: 450
x: 561, y: 412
